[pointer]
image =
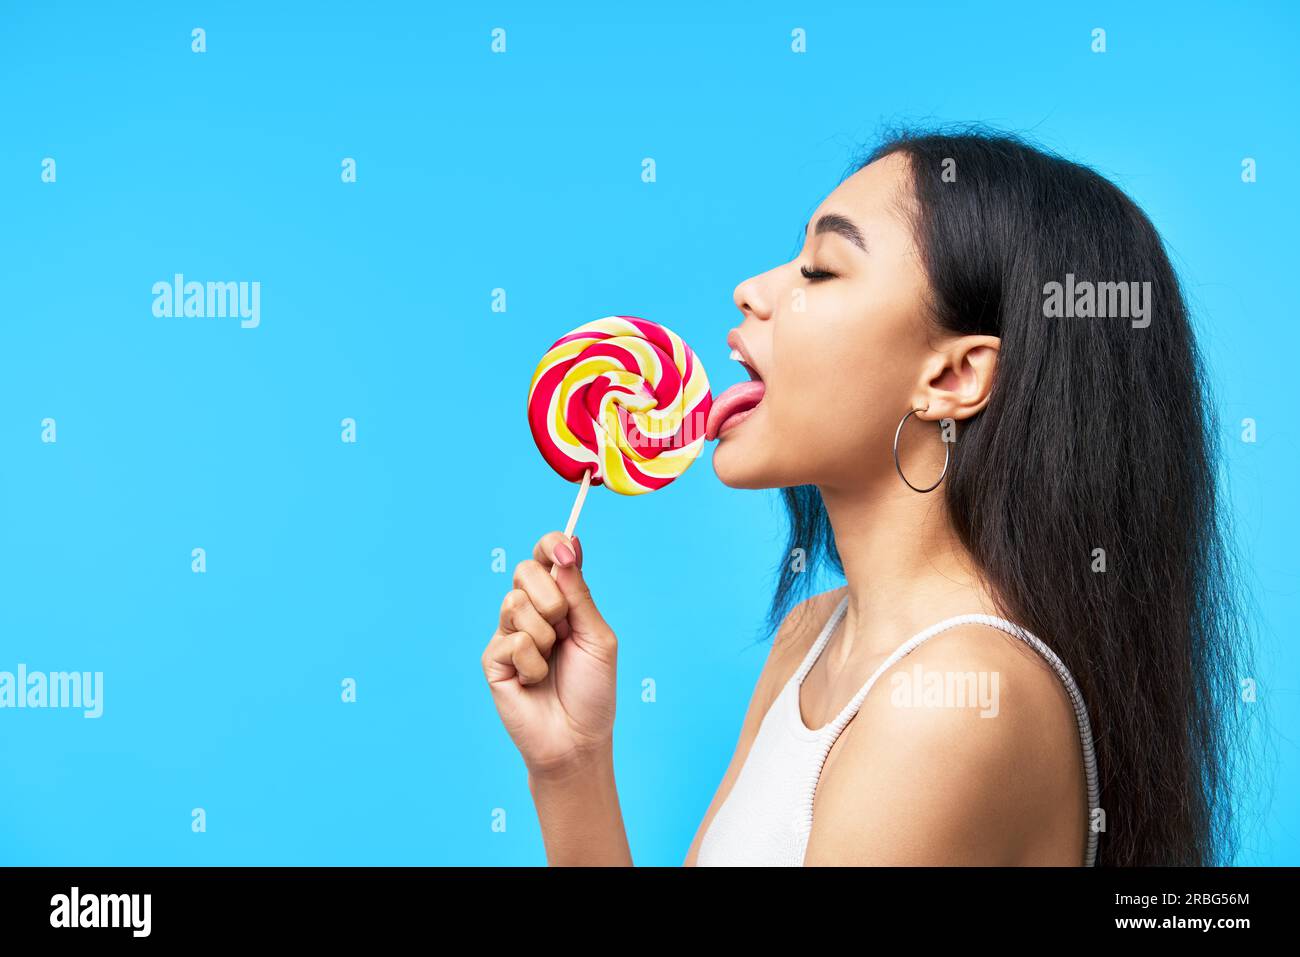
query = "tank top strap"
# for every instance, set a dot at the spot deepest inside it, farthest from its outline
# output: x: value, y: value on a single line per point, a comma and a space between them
x: 819, y: 645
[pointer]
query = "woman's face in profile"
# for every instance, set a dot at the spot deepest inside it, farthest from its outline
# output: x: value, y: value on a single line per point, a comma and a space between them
x: 838, y: 336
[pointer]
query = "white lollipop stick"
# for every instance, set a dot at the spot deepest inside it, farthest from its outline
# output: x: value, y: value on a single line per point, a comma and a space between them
x: 573, y: 515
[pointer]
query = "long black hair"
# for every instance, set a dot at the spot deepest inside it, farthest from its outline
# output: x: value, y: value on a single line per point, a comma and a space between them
x: 1099, y: 434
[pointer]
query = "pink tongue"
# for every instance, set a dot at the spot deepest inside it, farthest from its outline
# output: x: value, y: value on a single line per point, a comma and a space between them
x: 741, y: 396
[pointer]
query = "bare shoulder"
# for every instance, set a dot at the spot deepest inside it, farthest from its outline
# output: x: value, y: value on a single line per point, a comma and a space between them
x: 966, y: 751
x: 1022, y: 697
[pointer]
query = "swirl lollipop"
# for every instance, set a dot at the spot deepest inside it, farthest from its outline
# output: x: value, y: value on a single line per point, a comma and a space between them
x: 620, y: 402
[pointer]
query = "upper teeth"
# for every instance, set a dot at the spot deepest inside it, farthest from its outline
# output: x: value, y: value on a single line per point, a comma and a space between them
x: 735, y: 354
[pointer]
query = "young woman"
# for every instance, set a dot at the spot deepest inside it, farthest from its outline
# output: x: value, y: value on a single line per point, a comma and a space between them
x: 978, y: 390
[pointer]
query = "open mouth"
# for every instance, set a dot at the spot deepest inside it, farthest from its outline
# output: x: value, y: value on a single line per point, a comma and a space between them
x: 735, y: 404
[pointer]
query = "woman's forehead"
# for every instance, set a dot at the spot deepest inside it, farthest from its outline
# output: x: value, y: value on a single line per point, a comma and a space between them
x: 874, y: 197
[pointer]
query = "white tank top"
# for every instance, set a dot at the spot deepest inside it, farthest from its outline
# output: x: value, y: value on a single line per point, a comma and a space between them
x: 767, y: 816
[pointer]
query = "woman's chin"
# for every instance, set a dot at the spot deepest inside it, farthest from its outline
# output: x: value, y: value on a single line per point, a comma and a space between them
x: 735, y: 467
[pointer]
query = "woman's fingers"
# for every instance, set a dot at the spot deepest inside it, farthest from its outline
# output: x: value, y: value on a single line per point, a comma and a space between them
x: 524, y: 637
x: 535, y: 580
x: 527, y: 659
x: 534, y: 615
x: 514, y: 654
x: 519, y: 614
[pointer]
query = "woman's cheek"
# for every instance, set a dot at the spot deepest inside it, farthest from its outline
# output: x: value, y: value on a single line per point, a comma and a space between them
x: 802, y: 406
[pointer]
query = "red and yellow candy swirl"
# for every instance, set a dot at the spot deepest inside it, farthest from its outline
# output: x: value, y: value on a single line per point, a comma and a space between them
x: 623, y: 398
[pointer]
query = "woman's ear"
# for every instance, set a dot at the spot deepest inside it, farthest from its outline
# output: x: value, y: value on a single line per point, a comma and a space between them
x: 958, y: 378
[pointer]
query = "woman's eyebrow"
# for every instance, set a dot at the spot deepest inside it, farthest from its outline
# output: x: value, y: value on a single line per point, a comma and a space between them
x: 835, y: 223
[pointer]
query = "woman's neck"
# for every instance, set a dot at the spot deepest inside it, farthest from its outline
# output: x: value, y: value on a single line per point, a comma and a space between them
x: 904, y: 564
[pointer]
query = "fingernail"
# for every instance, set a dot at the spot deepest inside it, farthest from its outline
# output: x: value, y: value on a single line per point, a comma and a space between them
x: 564, y: 555
x: 577, y: 550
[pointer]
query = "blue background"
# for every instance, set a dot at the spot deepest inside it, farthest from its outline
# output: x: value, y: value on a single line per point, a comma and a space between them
x: 477, y: 171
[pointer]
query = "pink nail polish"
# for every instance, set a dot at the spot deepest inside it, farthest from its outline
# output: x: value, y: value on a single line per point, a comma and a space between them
x: 564, y: 555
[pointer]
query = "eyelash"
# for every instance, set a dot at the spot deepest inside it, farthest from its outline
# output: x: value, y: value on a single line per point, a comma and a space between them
x: 815, y: 275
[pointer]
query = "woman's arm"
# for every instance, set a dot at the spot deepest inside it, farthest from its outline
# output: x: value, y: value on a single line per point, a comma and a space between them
x: 551, y: 667
x: 582, y: 823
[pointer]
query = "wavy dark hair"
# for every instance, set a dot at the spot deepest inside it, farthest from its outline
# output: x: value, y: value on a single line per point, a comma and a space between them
x: 1097, y: 434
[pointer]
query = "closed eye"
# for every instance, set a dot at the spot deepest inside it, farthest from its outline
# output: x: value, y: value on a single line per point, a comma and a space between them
x: 815, y: 275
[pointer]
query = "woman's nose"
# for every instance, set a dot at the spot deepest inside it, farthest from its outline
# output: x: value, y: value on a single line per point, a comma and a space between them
x: 752, y: 299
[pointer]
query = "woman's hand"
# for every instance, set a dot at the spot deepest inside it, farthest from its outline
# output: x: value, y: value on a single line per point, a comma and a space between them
x: 551, y: 663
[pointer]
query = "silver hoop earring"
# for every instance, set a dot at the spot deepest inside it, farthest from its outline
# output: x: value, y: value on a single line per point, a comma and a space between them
x: 947, y: 452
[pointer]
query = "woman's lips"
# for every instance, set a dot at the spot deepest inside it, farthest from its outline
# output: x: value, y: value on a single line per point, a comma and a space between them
x: 733, y: 404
